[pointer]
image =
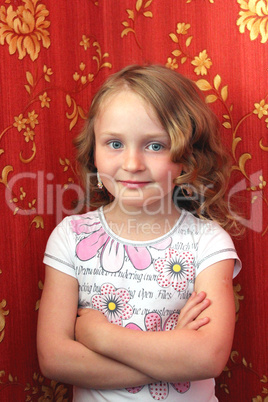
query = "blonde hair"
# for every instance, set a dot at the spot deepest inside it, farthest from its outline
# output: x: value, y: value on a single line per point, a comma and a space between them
x: 195, y: 140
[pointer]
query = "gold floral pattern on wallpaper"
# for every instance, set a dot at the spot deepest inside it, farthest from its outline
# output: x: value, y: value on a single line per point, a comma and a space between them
x: 141, y: 9
x: 3, y: 313
x: 181, y: 54
x: 259, y: 398
x: 26, y: 123
x: 237, y: 288
x: 84, y: 77
x: 254, y: 17
x: 236, y: 362
x: 38, y: 88
x: 218, y: 91
x: 24, y: 28
x: 67, y: 167
x: 38, y: 390
x: 25, y: 31
x: 40, y: 287
x: 210, y: 1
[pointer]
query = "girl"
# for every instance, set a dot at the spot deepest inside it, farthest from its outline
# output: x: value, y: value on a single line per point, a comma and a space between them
x: 151, y: 269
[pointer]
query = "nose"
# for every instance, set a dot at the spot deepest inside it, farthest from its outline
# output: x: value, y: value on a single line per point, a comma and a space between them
x: 133, y: 161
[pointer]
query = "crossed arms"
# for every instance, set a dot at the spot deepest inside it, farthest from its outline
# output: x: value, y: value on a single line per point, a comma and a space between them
x: 92, y: 353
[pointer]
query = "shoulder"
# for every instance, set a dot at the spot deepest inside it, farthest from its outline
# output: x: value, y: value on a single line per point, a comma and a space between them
x: 195, y: 226
x: 211, y: 241
x: 61, y: 247
x: 71, y: 228
x: 78, y: 223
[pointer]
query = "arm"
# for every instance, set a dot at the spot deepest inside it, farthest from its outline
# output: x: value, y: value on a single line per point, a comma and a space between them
x: 185, y: 354
x: 64, y: 359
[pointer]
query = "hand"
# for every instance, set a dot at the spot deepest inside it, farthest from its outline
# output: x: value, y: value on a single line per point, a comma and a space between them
x: 87, y: 324
x: 92, y: 314
x: 188, y: 317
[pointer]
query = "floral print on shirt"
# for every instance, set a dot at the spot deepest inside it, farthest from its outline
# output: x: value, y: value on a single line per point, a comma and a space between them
x: 160, y: 390
x: 175, y: 270
x: 93, y: 238
x: 113, y: 303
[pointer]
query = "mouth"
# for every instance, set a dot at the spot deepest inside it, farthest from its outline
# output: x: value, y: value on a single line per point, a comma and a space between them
x: 134, y: 184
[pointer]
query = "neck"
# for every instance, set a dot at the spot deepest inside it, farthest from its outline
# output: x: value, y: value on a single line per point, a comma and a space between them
x: 143, y: 224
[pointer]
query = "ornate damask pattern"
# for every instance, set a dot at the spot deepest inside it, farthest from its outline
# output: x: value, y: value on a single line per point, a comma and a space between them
x: 53, y: 57
x: 24, y: 28
x: 254, y: 17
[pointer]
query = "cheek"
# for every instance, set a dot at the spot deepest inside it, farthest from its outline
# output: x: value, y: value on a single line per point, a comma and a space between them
x: 176, y: 169
x: 170, y: 171
x: 174, y: 173
x: 99, y: 159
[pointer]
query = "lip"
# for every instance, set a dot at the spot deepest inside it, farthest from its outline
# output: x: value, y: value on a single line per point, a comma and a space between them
x: 134, y: 184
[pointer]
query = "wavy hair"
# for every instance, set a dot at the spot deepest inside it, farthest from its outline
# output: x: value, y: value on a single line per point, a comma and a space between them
x: 195, y: 140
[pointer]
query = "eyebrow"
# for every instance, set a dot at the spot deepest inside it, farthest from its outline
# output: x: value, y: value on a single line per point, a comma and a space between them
x: 150, y: 135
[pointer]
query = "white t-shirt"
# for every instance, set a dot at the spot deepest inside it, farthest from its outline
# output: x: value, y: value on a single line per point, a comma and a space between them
x: 139, y: 285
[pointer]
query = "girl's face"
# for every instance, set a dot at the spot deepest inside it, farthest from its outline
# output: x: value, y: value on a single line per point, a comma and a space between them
x: 132, y: 153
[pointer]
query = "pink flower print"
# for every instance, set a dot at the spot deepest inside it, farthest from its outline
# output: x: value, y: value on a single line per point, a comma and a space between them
x: 85, y: 225
x: 176, y: 269
x: 113, y: 303
x: 153, y: 322
x: 93, y: 238
x: 160, y: 390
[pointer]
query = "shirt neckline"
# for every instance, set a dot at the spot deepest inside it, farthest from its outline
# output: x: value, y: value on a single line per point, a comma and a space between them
x: 143, y: 243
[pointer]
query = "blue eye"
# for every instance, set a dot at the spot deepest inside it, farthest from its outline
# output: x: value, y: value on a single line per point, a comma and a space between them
x: 115, y: 144
x: 155, y: 147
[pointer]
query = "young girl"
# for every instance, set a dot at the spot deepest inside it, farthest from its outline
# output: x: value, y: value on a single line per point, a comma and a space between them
x: 151, y: 269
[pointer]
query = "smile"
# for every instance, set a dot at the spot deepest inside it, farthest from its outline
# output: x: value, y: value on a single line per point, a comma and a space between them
x: 134, y: 184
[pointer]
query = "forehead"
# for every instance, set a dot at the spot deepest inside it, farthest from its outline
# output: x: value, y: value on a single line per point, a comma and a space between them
x: 125, y: 101
x: 124, y: 95
x: 127, y: 113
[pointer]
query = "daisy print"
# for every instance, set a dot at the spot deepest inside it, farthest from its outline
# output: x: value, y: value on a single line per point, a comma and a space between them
x: 175, y: 270
x: 113, y: 303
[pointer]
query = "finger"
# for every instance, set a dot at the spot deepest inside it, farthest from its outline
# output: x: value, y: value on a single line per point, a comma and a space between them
x: 196, y: 324
x: 189, y: 315
x: 197, y: 309
x: 195, y: 301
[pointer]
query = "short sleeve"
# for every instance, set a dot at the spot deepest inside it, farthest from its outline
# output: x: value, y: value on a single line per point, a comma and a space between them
x: 60, y: 249
x: 216, y: 245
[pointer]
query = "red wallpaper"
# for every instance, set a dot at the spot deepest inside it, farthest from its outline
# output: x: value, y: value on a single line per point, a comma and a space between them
x: 53, y: 56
